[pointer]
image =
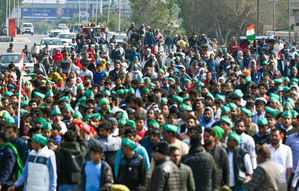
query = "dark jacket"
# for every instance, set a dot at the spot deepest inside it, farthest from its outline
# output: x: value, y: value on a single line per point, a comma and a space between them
x: 187, y: 179
x: 21, y: 146
x: 106, y: 180
x: 239, y: 165
x: 7, y: 162
x: 203, y: 167
x: 61, y: 158
x: 132, y: 172
x: 222, y: 173
x: 149, y: 64
x: 165, y: 177
x: 284, y: 72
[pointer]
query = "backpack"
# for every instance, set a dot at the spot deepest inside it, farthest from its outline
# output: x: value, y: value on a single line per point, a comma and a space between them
x: 74, y: 165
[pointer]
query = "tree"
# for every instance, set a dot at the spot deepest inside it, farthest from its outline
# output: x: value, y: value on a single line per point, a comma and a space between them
x: 3, y: 10
x: 227, y: 18
x: 158, y: 14
x: 65, y: 21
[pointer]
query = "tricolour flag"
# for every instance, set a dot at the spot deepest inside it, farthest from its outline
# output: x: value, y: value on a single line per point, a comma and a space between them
x: 27, y: 77
x: 250, y: 34
x: 21, y: 65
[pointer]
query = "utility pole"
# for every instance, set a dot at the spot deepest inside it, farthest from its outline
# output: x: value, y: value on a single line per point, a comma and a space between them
x: 289, y: 22
x: 96, y: 19
x: 108, y: 12
x: 86, y: 12
x: 119, y: 16
x: 273, y: 17
x: 32, y: 13
x: 258, y: 16
x: 18, y: 13
x: 79, y: 12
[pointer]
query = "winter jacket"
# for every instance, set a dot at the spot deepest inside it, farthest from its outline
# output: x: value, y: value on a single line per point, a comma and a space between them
x: 106, y: 177
x: 168, y: 41
x: 203, y: 167
x: 7, y: 162
x: 239, y: 165
x: 222, y: 173
x: 187, y: 179
x: 132, y: 172
x: 21, y: 146
x: 61, y: 158
x: 165, y: 177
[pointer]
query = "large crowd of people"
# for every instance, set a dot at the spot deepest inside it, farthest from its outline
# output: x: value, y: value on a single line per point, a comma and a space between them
x: 124, y: 116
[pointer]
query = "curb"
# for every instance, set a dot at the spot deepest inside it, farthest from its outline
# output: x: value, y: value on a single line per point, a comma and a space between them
x: 14, y: 39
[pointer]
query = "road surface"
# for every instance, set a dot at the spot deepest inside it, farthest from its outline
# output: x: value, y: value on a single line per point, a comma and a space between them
x: 19, y: 46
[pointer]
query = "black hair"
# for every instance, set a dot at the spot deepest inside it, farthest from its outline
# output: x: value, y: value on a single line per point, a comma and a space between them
x: 251, y: 96
x: 235, y: 97
x: 151, y: 98
x: 96, y: 149
x: 276, y: 129
x: 69, y: 136
x: 14, y: 105
x: 34, y: 100
x: 4, y: 136
x: 138, y: 101
x: 105, y: 125
x: 259, y: 102
x: 56, y: 127
x: 195, y: 140
x: 93, y: 102
x: 197, y: 128
x: 92, y: 108
x: 12, y: 126
x: 37, y: 82
x: 68, y: 92
x: 11, y: 65
x: 87, y: 77
x: 99, y: 96
x: 130, y: 130
x: 57, y: 96
x: 270, y: 115
x: 263, y: 84
x: 173, y: 148
x: 249, y: 104
x: 46, y: 111
x: 211, y: 131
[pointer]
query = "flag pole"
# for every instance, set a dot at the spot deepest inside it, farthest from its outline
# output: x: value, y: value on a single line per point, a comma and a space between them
x: 19, y: 104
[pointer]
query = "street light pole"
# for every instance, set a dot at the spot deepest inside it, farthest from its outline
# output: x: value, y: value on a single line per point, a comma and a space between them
x: 119, y: 16
x: 86, y: 12
x: 289, y: 22
x: 273, y: 17
x: 79, y: 12
x: 108, y: 12
x: 18, y: 13
x: 96, y: 20
x: 32, y: 12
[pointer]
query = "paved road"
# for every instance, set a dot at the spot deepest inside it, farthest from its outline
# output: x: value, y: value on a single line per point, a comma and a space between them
x: 19, y: 46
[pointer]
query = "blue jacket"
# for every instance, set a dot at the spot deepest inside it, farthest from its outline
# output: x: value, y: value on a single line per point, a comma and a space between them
x: 7, y: 162
x: 213, y: 66
x: 132, y: 55
x: 22, y: 148
x: 97, y: 77
x: 168, y: 40
x: 256, y: 77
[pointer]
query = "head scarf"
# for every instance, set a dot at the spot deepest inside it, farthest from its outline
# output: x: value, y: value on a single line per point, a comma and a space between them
x: 56, y: 74
x: 78, y: 63
x: 207, y: 124
x: 81, y: 82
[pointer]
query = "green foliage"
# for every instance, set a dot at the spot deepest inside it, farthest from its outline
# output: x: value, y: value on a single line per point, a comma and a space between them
x: 65, y: 21
x: 157, y: 14
x: 113, y: 20
x: 42, y: 27
x: 3, y: 10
